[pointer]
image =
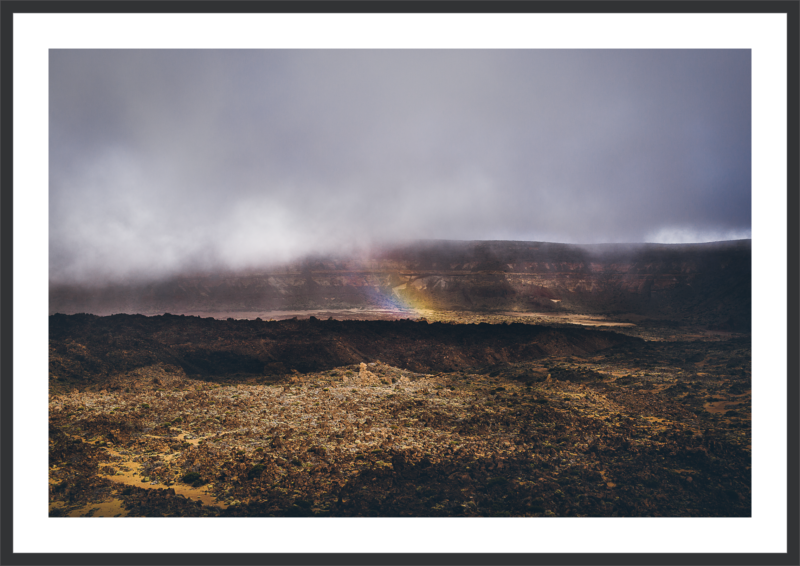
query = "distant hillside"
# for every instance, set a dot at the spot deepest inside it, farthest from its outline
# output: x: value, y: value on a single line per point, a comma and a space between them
x: 706, y: 283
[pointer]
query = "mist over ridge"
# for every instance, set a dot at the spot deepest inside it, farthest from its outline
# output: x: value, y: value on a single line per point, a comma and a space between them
x: 169, y: 161
x: 710, y: 282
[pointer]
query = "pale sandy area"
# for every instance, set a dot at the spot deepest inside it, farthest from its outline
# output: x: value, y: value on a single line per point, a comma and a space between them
x: 581, y: 319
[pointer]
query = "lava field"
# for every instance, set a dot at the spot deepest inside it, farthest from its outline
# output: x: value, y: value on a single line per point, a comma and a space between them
x: 194, y: 417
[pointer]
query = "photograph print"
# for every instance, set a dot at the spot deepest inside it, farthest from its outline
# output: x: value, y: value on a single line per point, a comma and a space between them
x: 399, y: 283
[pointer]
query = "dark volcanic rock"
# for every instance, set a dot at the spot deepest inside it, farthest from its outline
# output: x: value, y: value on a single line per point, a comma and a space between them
x: 86, y: 348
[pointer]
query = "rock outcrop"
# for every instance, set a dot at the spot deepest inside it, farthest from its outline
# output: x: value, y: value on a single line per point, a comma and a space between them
x: 132, y: 351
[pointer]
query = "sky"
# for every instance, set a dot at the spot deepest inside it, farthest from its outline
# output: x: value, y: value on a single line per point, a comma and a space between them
x: 166, y: 161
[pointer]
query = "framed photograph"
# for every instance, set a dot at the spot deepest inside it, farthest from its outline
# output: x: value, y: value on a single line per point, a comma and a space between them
x: 479, y: 283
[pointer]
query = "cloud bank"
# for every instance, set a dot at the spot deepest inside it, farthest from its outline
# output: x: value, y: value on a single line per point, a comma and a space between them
x: 166, y: 161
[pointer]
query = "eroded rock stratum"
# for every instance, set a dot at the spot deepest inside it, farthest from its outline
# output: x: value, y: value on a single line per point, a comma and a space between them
x: 697, y: 283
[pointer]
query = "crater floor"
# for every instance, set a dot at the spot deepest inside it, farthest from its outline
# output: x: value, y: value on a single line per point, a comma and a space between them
x: 631, y: 427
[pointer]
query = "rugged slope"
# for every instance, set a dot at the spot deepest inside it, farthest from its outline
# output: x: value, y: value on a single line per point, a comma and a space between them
x: 87, y: 350
x: 638, y: 429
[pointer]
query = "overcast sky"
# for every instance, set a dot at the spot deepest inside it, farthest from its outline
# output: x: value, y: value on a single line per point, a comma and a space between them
x: 162, y: 161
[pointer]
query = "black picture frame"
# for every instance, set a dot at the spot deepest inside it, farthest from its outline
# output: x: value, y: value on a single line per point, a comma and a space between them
x: 9, y: 365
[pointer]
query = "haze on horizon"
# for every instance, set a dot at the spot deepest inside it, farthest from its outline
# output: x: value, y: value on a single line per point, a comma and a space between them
x: 166, y: 161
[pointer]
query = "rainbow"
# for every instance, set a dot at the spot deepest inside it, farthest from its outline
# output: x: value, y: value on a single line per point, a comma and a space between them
x: 393, y: 299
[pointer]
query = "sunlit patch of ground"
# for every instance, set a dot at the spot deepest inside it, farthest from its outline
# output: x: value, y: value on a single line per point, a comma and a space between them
x: 579, y: 319
x: 129, y: 472
x: 591, y: 438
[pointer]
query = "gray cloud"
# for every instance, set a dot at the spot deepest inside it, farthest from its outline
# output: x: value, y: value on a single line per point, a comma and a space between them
x: 162, y: 161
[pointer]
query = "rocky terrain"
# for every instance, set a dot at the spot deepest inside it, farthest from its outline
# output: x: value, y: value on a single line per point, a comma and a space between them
x: 463, y: 414
x: 87, y: 351
x: 705, y: 284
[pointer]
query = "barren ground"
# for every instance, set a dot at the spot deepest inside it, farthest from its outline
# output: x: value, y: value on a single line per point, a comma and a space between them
x: 409, y: 419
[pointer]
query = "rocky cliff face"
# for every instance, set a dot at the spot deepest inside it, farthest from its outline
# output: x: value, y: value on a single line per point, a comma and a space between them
x: 709, y: 283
